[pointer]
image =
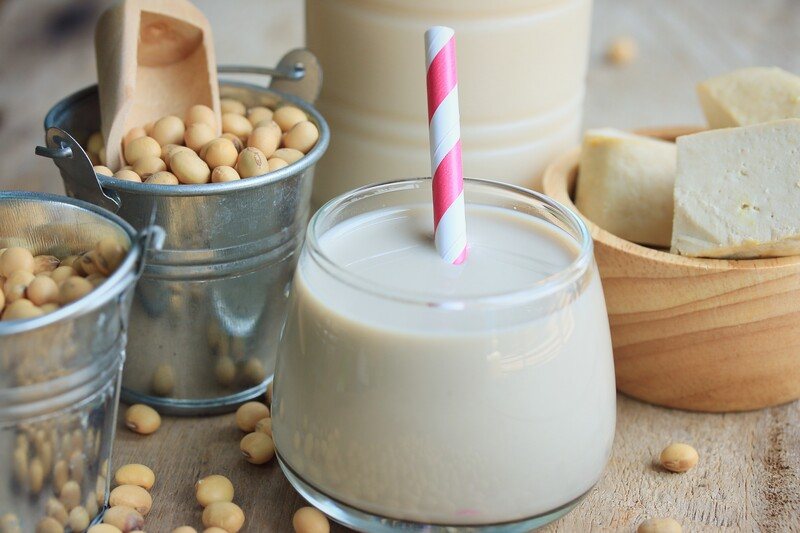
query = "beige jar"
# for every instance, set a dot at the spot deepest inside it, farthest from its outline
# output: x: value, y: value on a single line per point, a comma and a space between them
x: 521, y: 63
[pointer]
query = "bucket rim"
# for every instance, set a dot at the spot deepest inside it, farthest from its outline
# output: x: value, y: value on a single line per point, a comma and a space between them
x: 124, y: 277
x: 212, y: 189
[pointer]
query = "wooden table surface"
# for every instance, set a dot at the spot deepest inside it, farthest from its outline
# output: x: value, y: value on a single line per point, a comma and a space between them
x: 748, y: 478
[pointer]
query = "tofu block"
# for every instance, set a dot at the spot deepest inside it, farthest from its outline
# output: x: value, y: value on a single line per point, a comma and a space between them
x: 737, y: 192
x: 750, y: 96
x: 625, y: 185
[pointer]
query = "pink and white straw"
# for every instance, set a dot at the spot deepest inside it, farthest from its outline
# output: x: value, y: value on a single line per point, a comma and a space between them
x: 449, y: 223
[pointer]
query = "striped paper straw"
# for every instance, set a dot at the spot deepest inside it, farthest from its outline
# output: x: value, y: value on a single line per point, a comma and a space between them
x: 449, y: 223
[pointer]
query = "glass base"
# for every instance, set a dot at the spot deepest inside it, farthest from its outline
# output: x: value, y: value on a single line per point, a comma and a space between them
x: 196, y: 406
x: 370, y: 523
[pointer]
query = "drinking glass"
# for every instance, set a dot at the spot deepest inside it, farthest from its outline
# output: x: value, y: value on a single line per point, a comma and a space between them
x: 400, y: 408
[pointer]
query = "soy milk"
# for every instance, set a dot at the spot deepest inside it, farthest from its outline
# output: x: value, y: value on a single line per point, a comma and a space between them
x: 416, y: 390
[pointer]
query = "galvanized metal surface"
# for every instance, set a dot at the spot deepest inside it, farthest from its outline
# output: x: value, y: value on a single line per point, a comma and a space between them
x: 59, y: 384
x: 210, y: 305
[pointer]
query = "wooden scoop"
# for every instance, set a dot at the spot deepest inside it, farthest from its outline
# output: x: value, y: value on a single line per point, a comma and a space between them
x: 154, y: 58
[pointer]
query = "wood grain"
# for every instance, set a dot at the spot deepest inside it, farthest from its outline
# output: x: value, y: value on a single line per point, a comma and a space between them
x: 700, y: 334
x: 748, y: 478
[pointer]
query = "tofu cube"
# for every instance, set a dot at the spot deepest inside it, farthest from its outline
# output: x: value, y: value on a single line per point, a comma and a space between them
x: 625, y: 185
x: 737, y: 192
x: 750, y: 96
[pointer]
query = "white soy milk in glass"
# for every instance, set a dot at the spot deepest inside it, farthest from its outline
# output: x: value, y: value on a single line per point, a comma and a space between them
x: 412, y: 390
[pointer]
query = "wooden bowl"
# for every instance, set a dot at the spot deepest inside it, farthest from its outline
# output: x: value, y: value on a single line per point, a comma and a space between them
x: 698, y: 334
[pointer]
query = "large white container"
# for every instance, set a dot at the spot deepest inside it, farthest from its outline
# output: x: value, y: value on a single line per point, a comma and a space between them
x: 521, y: 63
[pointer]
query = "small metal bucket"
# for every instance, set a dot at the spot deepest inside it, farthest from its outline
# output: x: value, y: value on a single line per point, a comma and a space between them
x: 60, y: 372
x: 210, y: 305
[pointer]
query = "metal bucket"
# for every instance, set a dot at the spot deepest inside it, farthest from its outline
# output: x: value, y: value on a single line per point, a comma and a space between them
x: 210, y: 305
x: 60, y: 372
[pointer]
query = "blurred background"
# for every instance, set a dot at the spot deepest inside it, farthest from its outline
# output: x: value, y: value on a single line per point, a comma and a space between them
x: 46, y: 53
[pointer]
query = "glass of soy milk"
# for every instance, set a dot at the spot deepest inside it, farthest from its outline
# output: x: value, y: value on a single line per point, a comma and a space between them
x: 415, y: 394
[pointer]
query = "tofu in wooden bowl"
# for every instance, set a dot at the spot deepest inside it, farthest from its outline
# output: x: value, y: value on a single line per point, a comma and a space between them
x: 698, y: 333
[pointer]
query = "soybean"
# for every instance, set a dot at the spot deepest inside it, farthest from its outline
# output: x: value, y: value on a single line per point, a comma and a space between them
x: 133, y: 133
x: 149, y: 165
x: 237, y: 142
x: 20, y: 310
x: 679, y: 457
x: 303, y: 136
x: 224, y: 174
x: 162, y: 178
x: 171, y: 149
x: 95, y: 142
x: 49, y: 524
x: 264, y: 426
x: 310, y: 520
x: 257, y: 448
x: 202, y: 114
x: 45, y: 264
x: 198, y: 134
x: 70, y: 494
x: 135, y: 474
x: 163, y: 380
x: 290, y: 155
x: 16, y: 284
x: 141, y: 147
x: 55, y: 509
x: 220, y: 152
x: 225, y: 371
x: 104, y: 528
x: 249, y: 414
x: 266, y: 138
x: 287, y: 116
x: 133, y: 496
x: 169, y: 130
x: 258, y: 114
x: 74, y: 288
x: 229, y: 105
x: 142, y: 419
x: 79, y: 519
x: 212, y: 489
x: 16, y: 259
x: 103, y: 170
x: 226, y: 515
x: 254, y: 372
x: 276, y: 163
x: 36, y: 476
x: 124, y: 518
x: 189, y: 168
x: 112, y: 252
x: 237, y: 125
x: 252, y: 162
x: 42, y: 290
x: 127, y: 175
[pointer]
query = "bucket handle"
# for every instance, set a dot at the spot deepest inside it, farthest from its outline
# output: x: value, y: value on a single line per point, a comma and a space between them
x: 149, y: 239
x: 77, y: 171
x: 297, y: 73
x: 146, y: 240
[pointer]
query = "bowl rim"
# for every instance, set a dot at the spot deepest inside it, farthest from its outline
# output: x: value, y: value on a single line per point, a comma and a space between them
x: 559, y: 175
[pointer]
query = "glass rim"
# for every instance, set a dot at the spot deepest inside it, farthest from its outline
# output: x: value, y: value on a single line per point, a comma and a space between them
x: 544, y: 287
